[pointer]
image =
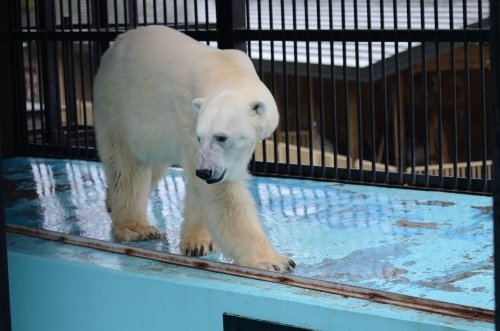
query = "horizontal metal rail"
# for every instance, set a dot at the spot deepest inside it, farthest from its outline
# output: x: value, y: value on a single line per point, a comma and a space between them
x: 431, y: 306
x: 208, y: 35
x: 375, y: 35
x: 379, y: 178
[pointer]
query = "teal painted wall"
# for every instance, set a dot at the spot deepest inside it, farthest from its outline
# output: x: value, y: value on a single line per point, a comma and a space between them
x: 58, y: 287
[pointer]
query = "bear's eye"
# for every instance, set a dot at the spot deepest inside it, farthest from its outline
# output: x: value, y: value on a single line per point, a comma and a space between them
x: 199, y: 140
x: 220, y: 139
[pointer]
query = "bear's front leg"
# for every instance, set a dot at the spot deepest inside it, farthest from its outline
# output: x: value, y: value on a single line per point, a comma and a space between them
x: 231, y: 217
x: 195, y: 238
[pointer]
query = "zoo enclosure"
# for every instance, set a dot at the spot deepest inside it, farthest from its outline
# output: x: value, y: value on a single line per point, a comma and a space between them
x: 389, y: 92
x: 393, y: 92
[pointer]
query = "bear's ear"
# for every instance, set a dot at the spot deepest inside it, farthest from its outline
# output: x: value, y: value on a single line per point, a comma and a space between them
x: 197, y: 104
x: 266, y: 118
x: 258, y: 107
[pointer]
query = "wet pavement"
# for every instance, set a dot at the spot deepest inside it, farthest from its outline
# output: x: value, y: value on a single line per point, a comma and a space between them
x: 427, y: 244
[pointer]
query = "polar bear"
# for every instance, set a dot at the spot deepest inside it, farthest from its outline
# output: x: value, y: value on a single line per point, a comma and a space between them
x: 162, y: 99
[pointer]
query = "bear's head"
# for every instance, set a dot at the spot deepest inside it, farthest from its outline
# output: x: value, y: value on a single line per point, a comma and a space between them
x: 229, y: 124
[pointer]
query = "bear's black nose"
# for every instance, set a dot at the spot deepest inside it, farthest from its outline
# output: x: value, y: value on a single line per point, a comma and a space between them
x: 204, y: 173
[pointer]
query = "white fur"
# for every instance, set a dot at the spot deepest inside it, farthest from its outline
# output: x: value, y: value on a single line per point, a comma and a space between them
x: 162, y: 98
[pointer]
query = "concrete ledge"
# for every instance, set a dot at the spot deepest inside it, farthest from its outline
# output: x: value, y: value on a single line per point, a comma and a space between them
x: 58, y: 286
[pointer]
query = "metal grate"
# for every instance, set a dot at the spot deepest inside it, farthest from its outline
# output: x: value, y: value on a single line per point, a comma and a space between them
x: 377, y: 91
x: 391, y: 91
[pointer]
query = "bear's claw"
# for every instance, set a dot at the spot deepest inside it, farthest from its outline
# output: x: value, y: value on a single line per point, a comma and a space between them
x: 199, y: 250
x: 287, y: 267
x: 281, y: 264
x: 137, y: 232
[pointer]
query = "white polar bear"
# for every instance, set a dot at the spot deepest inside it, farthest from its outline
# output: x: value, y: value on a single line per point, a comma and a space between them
x: 161, y: 99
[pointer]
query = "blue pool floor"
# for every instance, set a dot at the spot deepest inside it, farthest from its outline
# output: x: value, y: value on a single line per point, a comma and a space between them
x: 431, y: 245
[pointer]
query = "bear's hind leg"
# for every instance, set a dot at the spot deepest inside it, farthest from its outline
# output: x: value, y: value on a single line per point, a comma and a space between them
x: 129, y: 203
x: 195, y: 238
x: 129, y: 185
x: 157, y: 174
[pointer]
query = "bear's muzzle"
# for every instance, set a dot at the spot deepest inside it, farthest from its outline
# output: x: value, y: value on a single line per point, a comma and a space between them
x: 208, y: 176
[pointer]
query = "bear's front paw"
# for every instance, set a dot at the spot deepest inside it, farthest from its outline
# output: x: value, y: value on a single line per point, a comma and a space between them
x: 197, y: 249
x: 136, y: 232
x: 271, y: 262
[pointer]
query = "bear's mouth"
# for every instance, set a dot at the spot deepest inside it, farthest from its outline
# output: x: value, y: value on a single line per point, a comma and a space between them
x: 216, y: 180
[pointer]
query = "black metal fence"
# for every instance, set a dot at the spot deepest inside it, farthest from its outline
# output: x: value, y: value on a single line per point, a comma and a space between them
x: 393, y: 92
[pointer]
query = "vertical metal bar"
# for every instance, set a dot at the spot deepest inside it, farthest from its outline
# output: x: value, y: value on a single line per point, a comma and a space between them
x: 186, y: 18
x: 82, y: 74
x: 261, y: 69
x: 359, y: 107
x: 165, y: 12
x: 385, y: 103
x: 399, y: 137
x: 346, y: 91
x: 127, y: 13
x: 105, y: 14
x: 371, y: 91
x: 31, y: 96
x: 454, y: 110
x: 321, y: 92
x: 482, y: 101
x: 309, y: 90
x: 230, y: 17
x: 115, y: 12
x: 91, y: 74
x: 207, y: 16
x: 70, y: 16
x: 134, y: 13
x: 40, y: 136
x: 41, y: 101
x: 424, y: 87
x: 196, y: 21
x: 176, y: 15
x: 19, y: 63
x: 412, y: 97
x: 89, y: 20
x: 249, y: 23
x: 71, y: 107
x: 155, y: 12
x: 79, y: 14
x: 7, y: 95
x: 144, y: 13
x: 10, y: 130
x: 273, y: 82
x: 100, y: 21
x: 495, y: 107
x: 67, y: 97
x: 333, y: 91
x: 297, y: 88
x: 468, y: 100
x: 58, y: 110
x: 67, y: 80
x: 285, y: 91
x: 259, y: 28
x: 439, y: 106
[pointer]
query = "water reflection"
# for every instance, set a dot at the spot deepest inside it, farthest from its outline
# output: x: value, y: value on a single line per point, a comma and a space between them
x: 412, y: 242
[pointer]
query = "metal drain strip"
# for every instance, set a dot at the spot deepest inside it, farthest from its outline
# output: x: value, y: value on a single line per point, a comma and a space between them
x: 422, y: 304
